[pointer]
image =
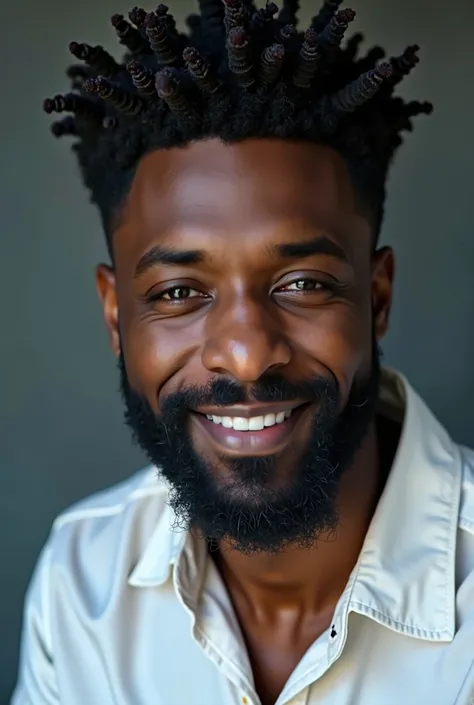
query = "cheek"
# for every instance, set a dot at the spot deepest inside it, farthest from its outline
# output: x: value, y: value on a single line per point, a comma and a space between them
x: 159, y: 355
x: 337, y: 338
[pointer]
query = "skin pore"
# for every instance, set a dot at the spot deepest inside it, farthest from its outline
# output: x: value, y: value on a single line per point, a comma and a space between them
x: 248, y: 262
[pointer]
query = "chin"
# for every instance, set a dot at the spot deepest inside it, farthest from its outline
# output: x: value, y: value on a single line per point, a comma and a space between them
x: 253, y: 481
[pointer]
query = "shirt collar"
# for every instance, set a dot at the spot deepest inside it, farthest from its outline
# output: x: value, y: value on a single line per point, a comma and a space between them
x: 161, y: 552
x: 405, y: 576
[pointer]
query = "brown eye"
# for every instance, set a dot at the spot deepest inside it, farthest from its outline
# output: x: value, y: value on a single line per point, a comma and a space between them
x: 304, y: 285
x: 178, y: 293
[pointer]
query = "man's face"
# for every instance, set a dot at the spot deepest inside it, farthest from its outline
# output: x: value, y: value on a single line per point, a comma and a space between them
x: 245, y: 307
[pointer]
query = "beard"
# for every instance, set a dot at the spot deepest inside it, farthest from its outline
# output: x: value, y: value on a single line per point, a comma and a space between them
x: 242, y: 505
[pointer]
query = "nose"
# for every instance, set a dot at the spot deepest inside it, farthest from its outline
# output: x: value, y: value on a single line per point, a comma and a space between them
x: 245, y: 342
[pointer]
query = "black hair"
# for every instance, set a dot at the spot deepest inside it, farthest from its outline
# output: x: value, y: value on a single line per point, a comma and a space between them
x: 238, y: 73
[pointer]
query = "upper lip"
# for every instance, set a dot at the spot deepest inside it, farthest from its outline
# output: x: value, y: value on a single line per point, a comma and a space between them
x: 248, y: 411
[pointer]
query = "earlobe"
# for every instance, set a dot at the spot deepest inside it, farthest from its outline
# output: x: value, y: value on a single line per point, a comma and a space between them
x: 382, y: 288
x: 106, y: 289
x: 381, y: 323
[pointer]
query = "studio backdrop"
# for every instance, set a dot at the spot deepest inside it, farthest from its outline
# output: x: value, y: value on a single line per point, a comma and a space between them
x: 61, y: 430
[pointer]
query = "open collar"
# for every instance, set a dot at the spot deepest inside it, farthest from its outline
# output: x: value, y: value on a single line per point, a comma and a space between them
x: 405, y: 576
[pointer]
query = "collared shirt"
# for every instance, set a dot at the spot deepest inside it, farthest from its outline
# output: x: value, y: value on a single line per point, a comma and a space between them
x: 126, y: 609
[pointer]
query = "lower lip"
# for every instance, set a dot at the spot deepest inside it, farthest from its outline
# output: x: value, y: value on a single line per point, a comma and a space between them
x: 268, y: 441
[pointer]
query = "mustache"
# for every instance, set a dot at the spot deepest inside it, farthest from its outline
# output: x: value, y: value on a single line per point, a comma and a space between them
x: 268, y: 389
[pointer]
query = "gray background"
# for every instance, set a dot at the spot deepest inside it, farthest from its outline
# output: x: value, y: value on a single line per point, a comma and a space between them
x: 61, y: 432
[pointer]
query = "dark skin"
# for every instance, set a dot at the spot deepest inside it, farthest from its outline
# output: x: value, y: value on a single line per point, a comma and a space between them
x: 239, y: 311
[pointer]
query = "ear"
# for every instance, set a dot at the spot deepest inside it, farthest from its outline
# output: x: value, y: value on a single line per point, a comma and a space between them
x: 383, y: 273
x: 106, y: 288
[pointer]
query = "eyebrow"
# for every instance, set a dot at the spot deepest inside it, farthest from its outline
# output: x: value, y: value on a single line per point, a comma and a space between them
x: 160, y: 255
x: 321, y: 245
x: 165, y: 255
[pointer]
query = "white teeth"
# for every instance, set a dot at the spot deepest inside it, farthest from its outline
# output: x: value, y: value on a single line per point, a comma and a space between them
x: 240, y: 424
x: 256, y: 423
x: 269, y: 420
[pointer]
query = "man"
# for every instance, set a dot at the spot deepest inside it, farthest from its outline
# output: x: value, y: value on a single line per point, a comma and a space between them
x: 305, y: 533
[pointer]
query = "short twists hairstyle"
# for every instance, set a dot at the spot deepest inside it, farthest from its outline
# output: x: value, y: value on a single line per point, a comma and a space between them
x: 238, y: 73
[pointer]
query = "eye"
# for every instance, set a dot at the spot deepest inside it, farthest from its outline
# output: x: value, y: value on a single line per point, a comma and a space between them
x: 176, y: 300
x: 178, y: 293
x: 304, y: 285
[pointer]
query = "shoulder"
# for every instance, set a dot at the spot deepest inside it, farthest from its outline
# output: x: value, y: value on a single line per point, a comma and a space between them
x: 99, y: 540
x: 465, y: 534
x: 466, y: 509
x: 83, y: 573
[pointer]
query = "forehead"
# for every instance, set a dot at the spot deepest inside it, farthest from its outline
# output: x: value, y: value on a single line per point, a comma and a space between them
x: 240, y: 188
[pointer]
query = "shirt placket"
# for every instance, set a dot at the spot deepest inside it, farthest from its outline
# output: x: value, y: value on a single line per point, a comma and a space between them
x: 300, y: 686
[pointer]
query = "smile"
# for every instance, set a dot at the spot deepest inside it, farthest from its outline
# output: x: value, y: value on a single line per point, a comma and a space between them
x: 249, y: 430
x: 255, y: 423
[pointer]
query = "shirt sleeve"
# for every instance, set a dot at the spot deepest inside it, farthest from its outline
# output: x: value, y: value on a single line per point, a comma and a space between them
x: 36, y: 683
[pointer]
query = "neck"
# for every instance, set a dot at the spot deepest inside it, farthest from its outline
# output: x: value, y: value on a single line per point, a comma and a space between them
x: 311, y: 579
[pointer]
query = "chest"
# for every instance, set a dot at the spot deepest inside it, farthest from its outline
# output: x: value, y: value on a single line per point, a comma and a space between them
x: 275, y: 654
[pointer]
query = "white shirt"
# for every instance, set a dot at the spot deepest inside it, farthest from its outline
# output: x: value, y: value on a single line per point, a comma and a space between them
x: 124, y: 609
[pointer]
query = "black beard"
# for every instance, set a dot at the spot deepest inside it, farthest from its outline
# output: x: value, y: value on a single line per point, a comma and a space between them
x: 246, y: 509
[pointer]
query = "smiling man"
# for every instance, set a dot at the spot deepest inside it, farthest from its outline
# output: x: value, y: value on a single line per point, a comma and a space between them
x: 305, y: 532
